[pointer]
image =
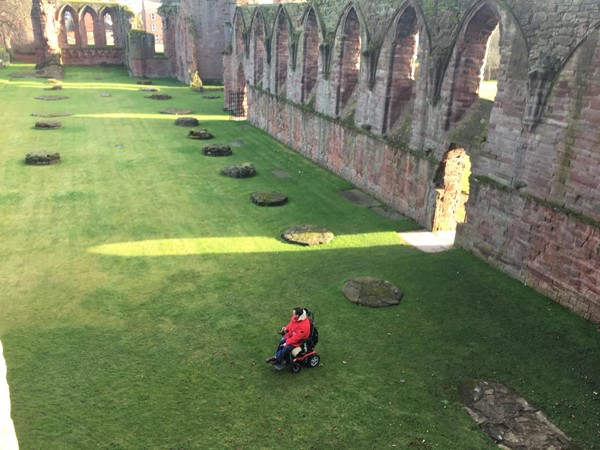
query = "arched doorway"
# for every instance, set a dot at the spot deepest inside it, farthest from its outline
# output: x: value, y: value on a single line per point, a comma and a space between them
x: 451, y: 190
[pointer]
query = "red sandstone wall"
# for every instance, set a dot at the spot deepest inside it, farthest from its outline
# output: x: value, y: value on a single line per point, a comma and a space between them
x: 534, y: 208
x: 544, y: 247
x: 400, y: 179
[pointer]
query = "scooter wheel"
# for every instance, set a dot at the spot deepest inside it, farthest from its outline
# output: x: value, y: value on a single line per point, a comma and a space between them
x: 314, y: 360
x: 296, y: 367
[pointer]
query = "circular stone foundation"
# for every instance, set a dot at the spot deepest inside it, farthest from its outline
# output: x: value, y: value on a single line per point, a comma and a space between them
x: 56, y: 114
x: 243, y: 170
x: 217, y: 150
x: 51, y: 97
x: 372, y: 292
x: 176, y: 111
x: 186, y: 122
x: 159, y: 97
x: 308, y: 235
x: 48, y: 124
x: 42, y: 158
x: 200, y: 134
x: 268, y: 198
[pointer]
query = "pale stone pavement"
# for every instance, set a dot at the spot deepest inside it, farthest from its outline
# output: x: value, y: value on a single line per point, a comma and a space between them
x: 430, y: 242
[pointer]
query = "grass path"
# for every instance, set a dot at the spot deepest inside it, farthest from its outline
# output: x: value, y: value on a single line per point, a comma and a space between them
x: 141, y: 291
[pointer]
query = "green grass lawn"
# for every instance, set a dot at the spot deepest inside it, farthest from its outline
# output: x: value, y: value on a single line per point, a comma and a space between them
x: 142, y: 291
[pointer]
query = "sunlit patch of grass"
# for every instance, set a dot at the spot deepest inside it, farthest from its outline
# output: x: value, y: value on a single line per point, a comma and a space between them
x: 231, y: 245
x: 169, y: 117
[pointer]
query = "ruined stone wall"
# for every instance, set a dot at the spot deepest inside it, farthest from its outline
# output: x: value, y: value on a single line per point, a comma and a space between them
x: 388, y: 124
x: 50, y: 36
x: 195, y: 34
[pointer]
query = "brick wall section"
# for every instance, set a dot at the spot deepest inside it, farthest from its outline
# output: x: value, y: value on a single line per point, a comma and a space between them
x: 534, y: 208
x: 537, y: 244
x: 396, y: 177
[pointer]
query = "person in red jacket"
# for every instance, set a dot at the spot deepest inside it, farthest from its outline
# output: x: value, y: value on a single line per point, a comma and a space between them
x: 293, y: 334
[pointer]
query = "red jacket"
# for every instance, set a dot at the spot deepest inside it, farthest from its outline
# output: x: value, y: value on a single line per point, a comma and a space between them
x: 297, y: 331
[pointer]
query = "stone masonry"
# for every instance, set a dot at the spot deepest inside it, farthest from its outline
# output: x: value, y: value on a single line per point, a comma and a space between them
x: 389, y: 92
x: 96, y: 34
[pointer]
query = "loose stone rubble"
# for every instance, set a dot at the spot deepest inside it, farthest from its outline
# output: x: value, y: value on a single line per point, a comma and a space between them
x: 509, y: 419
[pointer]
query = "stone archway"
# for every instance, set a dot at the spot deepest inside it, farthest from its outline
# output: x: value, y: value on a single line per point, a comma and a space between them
x: 282, y: 52
x: 470, y: 54
x: 402, y: 69
x: 451, y: 190
x: 310, y: 68
x: 349, y: 61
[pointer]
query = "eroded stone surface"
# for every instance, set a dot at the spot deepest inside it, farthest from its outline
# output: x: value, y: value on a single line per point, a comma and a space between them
x: 268, y: 198
x: 372, y: 292
x: 176, y: 111
x: 509, y: 419
x: 359, y: 198
x: 42, y: 158
x: 308, y: 235
x: 51, y: 97
x: 243, y: 170
x: 186, y: 122
x: 52, y: 114
x: 281, y: 174
x: 159, y: 96
x: 200, y: 134
x: 217, y: 150
x: 48, y: 124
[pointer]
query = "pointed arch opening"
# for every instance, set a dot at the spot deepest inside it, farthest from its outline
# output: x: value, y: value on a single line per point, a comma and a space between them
x: 282, y: 53
x: 470, y: 55
x: 259, y: 49
x: 240, y: 48
x: 108, y: 21
x: 402, y: 68
x: 488, y: 86
x: 238, y: 103
x: 310, y: 67
x: 349, y: 60
x: 87, y: 27
x: 451, y: 190
x: 68, y: 27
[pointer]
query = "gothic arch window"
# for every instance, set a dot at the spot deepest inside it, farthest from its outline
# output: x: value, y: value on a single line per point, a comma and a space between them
x: 310, y: 68
x: 349, y: 60
x: 402, y: 67
x: 258, y: 29
x: 469, y: 55
x: 108, y: 22
x: 451, y: 183
x: 69, y: 26
x: 88, y: 26
x: 282, y: 52
x: 239, y: 36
